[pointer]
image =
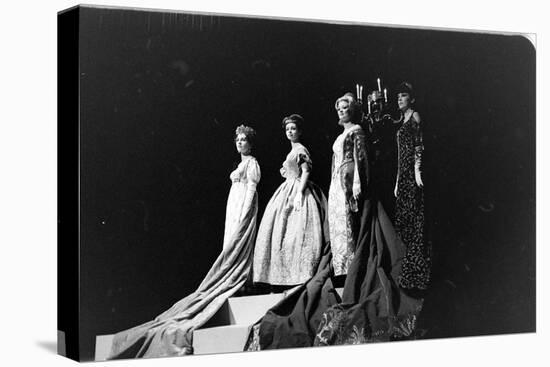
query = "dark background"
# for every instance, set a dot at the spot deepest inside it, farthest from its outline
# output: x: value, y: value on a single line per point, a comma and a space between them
x: 161, y: 95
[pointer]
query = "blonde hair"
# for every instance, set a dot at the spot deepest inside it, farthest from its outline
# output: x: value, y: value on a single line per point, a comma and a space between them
x: 355, y: 109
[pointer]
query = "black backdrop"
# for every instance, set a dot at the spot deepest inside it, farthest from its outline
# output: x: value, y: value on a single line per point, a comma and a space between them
x: 161, y: 94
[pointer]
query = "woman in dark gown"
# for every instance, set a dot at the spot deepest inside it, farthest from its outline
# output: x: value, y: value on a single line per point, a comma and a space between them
x: 372, y: 307
x: 409, y: 192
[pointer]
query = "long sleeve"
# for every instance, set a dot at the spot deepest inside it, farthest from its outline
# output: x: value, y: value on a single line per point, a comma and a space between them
x: 418, y: 142
x: 360, y: 157
x: 253, y: 176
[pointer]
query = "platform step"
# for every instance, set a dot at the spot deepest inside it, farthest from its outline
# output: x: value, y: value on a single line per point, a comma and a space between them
x: 244, y: 310
x: 249, y: 309
x: 103, y: 347
x: 226, y: 331
x: 221, y: 339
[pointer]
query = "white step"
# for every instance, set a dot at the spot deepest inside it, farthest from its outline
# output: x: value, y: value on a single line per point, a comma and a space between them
x: 103, y: 346
x: 247, y: 310
x: 221, y: 339
x: 228, y: 327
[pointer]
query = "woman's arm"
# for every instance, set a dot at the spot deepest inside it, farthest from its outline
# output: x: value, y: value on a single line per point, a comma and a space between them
x: 305, y: 167
x: 418, y: 150
x: 361, y: 166
x: 304, y: 177
x: 253, y: 178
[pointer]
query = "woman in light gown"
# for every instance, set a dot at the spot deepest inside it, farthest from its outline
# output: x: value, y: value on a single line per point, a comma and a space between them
x: 290, y: 236
x: 171, y: 333
x: 349, y: 177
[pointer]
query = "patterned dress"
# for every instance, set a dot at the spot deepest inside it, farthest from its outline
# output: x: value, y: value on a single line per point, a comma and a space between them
x: 349, y: 167
x: 409, y: 215
x: 289, y: 242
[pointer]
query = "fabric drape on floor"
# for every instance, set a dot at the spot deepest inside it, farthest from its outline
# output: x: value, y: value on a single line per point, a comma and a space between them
x: 372, y: 308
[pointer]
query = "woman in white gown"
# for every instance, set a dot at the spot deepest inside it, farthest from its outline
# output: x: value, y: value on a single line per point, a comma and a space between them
x: 291, y: 234
x: 171, y: 333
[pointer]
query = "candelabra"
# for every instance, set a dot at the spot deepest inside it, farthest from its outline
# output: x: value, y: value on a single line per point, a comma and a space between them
x: 376, y: 109
x: 377, y: 115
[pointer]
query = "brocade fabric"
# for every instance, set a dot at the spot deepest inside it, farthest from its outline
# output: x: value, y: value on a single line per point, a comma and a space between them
x: 349, y: 167
x: 289, y: 241
x: 409, y: 209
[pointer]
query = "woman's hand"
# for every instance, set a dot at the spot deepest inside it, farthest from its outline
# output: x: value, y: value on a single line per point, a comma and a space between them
x: 418, y: 177
x: 298, y: 198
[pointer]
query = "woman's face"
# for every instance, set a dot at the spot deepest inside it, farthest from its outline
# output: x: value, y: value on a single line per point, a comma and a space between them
x: 344, y: 112
x: 242, y: 143
x: 404, y: 101
x: 292, y: 132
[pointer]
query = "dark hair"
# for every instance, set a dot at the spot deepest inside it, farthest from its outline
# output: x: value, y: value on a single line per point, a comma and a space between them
x: 294, y: 118
x: 405, y: 87
x: 249, y: 132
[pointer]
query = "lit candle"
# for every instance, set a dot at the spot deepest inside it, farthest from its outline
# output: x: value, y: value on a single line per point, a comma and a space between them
x: 357, y: 88
x: 385, y: 95
x: 368, y: 103
x: 361, y: 92
x: 379, y: 87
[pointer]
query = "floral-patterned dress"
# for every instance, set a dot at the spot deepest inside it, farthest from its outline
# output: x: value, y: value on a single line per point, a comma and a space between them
x: 289, y: 242
x: 409, y: 208
x: 349, y: 167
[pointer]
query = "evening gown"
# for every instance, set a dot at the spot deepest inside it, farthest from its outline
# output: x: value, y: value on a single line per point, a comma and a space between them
x: 409, y: 208
x: 289, y: 242
x: 171, y: 333
x: 348, y: 155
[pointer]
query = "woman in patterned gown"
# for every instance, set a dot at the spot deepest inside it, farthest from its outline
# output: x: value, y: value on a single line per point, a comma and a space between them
x: 171, y: 333
x: 290, y: 237
x: 409, y: 192
x: 348, y: 183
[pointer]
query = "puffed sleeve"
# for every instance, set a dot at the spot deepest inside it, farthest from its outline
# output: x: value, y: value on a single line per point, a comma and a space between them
x: 253, y: 173
x: 303, y: 159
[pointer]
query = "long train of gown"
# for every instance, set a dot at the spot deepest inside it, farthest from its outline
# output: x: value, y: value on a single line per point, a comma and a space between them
x: 171, y: 333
